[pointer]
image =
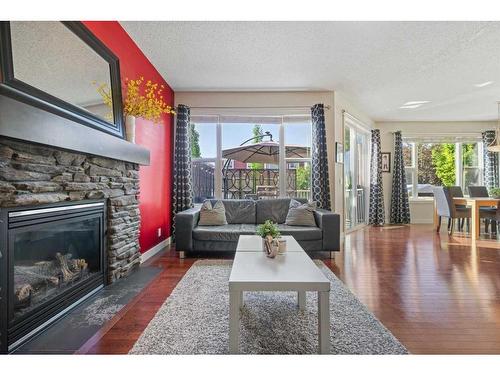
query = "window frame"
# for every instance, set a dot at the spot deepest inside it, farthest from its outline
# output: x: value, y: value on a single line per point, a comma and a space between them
x: 282, y: 165
x: 459, y: 167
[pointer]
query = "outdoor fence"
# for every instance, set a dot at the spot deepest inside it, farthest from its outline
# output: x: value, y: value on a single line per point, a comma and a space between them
x: 241, y: 183
x: 203, y: 181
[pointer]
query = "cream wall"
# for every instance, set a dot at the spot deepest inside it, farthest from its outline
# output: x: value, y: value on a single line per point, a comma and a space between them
x: 421, y: 210
x: 333, y: 118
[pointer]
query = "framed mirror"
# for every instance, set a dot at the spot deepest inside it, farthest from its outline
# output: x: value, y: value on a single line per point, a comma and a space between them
x: 63, y: 68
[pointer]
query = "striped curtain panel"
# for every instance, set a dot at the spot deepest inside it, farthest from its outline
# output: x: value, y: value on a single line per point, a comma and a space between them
x: 490, y: 161
x: 182, y: 195
x: 376, y: 213
x: 400, y: 207
x: 319, y: 163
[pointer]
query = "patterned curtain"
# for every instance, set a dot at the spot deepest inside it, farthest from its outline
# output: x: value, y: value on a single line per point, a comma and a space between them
x: 320, y: 181
x: 400, y: 208
x: 490, y: 159
x: 376, y: 213
x: 182, y: 195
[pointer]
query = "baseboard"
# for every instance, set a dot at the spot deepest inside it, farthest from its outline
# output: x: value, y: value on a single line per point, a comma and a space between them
x: 422, y: 221
x: 155, y: 249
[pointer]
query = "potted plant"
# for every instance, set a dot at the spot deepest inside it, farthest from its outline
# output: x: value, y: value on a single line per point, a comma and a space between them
x: 143, y: 100
x: 269, y: 233
x: 495, y: 192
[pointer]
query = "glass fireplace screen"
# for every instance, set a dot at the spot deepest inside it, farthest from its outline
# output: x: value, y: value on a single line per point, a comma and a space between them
x: 50, y: 258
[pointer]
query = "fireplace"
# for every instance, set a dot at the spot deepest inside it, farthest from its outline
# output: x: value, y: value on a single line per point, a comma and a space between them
x: 53, y: 256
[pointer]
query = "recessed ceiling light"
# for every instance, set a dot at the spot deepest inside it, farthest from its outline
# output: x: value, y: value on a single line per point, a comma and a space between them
x: 420, y: 102
x: 483, y: 84
x: 410, y: 106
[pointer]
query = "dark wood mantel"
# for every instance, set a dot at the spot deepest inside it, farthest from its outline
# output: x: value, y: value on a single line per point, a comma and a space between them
x: 27, y: 123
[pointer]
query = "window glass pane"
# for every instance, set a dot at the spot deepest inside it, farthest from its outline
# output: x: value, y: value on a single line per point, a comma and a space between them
x: 436, y: 166
x: 203, y: 140
x: 203, y: 175
x: 298, y: 179
x: 470, y: 166
x: 470, y: 154
x: 254, y: 170
x: 409, y: 181
x: 298, y: 158
x: 407, y: 154
x: 203, y: 152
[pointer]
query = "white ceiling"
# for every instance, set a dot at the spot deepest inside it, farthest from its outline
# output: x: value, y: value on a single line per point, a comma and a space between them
x: 379, y: 65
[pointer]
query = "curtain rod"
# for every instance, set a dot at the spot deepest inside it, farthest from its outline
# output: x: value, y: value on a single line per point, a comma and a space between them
x: 427, y: 135
x: 362, y: 124
x: 263, y: 107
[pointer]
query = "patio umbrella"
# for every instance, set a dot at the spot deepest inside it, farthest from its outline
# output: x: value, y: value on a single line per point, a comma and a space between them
x: 264, y: 152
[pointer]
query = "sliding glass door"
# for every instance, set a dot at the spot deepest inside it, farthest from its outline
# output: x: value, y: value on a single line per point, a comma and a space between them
x: 356, y: 142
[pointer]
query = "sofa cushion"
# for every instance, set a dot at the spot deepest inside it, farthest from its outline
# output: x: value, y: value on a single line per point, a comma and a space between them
x: 229, y: 232
x: 272, y: 209
x: 239, y: 211
x: 301, y: 214
x: 301, y: 233
x: 212, y: 214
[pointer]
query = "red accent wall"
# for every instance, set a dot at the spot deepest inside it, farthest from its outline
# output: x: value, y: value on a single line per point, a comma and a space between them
x: 155, y: 179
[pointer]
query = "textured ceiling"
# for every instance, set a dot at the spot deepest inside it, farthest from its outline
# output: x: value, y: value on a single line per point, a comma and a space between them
x: 379, y: 65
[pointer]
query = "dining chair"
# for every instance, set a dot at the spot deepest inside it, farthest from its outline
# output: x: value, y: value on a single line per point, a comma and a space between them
x: 491, y: 215
x: 456, y: 191
x: 478, y: 192
x: 446, y: 208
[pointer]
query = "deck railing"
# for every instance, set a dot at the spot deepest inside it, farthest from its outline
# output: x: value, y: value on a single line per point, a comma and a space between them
x: 241, y: 183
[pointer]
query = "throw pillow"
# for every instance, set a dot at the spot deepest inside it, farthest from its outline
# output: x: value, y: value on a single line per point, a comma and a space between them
x: 301, y: 214
x: 215, y: 215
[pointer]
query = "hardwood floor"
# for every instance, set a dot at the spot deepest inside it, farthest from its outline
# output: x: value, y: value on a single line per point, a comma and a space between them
x: 437, y: 294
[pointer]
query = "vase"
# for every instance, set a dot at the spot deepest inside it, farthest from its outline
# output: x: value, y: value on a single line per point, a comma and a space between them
x: 282, y: 246
x: 130, y: 128
x: 270, y: 246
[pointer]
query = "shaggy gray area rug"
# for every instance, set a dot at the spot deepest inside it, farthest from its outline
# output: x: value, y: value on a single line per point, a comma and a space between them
x: 195, y: 320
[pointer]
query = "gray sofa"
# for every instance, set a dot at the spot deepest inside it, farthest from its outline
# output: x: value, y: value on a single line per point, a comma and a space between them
x: 243, y: 216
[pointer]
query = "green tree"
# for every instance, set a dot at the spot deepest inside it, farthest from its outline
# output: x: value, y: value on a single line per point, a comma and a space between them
x: 443, y: 159
x: 303, y: 176
x: 257, y: 132
x: 426, y: 168
x: 194, y: 138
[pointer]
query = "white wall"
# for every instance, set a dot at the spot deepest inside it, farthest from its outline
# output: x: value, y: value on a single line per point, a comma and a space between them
x: 421, y: 210
x: 333, y: 119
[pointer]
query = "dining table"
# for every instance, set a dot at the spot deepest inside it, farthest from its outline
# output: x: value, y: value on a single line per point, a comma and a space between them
x: 475, y: 204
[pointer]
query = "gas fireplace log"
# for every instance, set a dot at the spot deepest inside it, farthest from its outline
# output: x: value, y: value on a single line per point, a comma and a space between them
x: 22, y: 296
x: 64, y: 268
x: 29, y: 280
x: 71, y: 269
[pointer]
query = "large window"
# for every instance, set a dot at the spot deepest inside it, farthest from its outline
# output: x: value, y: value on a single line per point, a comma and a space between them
x: 445, y: 163
x: 203, y: 158
x: 258, y: 157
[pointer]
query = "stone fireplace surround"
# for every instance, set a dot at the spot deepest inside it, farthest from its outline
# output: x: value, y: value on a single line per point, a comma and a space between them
x: 32, y: 174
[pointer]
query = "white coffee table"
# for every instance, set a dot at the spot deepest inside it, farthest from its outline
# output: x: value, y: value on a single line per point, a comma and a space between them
x: 293, y: 271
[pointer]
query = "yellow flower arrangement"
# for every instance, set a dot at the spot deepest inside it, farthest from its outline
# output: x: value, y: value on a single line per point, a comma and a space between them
x: 146, y: 102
